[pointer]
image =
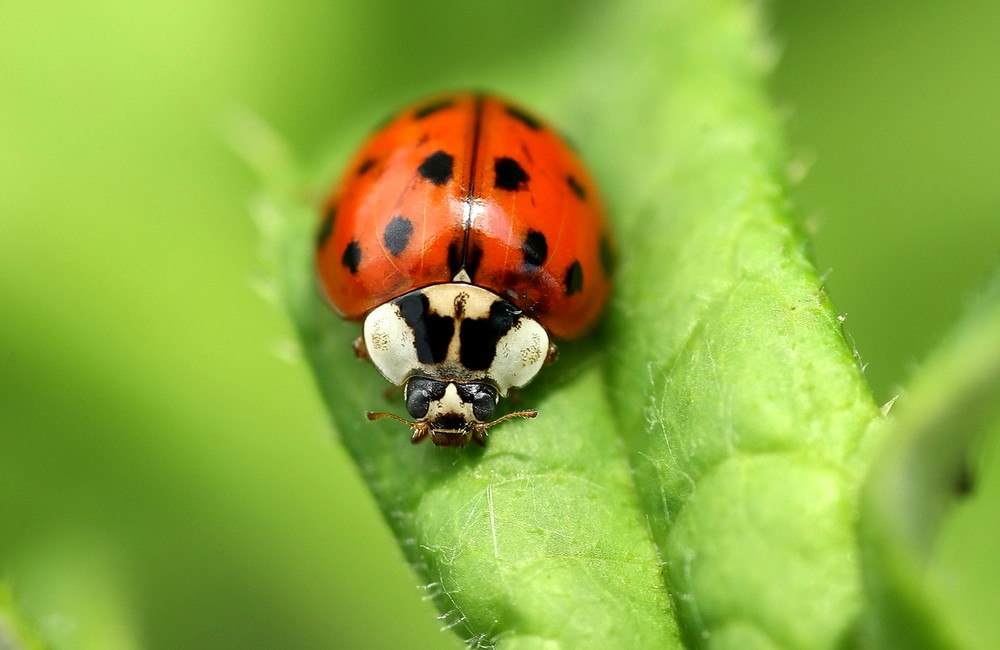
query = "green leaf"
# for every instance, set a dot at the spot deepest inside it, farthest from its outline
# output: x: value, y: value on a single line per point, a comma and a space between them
x: 747, y: 420
x: 15, y: 631
x: 922, y: 584
x: 692, y: 477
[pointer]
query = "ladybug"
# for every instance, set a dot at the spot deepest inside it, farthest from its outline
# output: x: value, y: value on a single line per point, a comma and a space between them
x: 466, y: 235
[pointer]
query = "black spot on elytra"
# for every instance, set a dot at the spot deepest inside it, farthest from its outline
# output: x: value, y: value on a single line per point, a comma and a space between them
x: 606, y: 253
x: 576, y: 187
x: 470, y: 261
x: 509, y: 174
x: 574, y: 278
x: 397, y: 234
x: 325, y: 226
x: 352, y: 256
x: 527, y: 153
x: 432, y: 108
x: 365, y: 165
x: 528, y: 120
x: 479, y: 337
x: 455, y: 257
x: 437, y: 167
x: 431, y: 332
x: 535, y: 249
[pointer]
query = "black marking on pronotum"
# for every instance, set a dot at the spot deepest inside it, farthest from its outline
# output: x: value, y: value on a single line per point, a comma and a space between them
x: 527, y: 119
x: 352, y: 256
x: 431, y: 332
x: 478, y: 337
x: 576, y: 187
x: 535, y: 249
x: 509, y: 174
x: 461, y: 300
x: 459, y: 258
x: 437, y: 167
x: 433, y: 107
x: 326, y: 226
x: 574, y: 278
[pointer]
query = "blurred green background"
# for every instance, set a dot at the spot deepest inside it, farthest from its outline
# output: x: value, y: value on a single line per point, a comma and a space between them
x: 167, y: 478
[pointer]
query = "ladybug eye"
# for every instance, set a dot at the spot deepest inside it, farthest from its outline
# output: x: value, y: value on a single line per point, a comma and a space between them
x: 417, y: 403
x: 483, y: 398
x: 420, y: 392
x: 483, y: 405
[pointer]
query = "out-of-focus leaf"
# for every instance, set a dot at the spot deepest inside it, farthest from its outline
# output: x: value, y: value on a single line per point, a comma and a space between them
x: 932, y: 464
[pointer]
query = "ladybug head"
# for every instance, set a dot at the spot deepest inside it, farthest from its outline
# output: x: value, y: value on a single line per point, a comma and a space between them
x: 450, y: 412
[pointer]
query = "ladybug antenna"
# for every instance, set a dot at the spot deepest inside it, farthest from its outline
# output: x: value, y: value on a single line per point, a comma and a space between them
x: 419, y: 430
x: 392, y: 416
x: 516, y: 414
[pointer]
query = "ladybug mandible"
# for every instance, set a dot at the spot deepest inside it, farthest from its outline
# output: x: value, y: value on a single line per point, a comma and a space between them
x: 465, y: 233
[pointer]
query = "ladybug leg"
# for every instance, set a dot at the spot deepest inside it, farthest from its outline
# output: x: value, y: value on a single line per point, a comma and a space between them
x: 479, y: 436
x: 360, y: 349
x: 420, y: 432
x: 553, y: 354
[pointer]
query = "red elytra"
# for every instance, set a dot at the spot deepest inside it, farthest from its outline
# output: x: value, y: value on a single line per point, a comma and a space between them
x: 468, y: 182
